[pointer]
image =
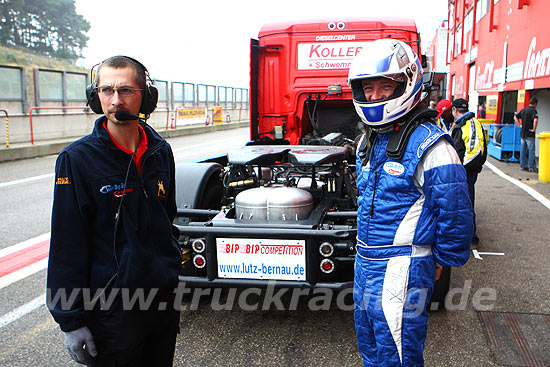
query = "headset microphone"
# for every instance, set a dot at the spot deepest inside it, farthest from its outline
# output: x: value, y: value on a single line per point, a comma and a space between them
x: 122, y: 115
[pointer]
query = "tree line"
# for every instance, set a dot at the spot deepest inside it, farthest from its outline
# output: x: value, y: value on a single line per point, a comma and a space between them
x: 49, y: 27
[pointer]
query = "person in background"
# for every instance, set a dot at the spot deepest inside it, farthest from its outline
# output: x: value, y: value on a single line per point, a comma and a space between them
x: 528, y: 120
x: 112, y: 234
x: 471, y: 145
x: 444, y: 117
x: 481, y: 113
x: 413, y: 207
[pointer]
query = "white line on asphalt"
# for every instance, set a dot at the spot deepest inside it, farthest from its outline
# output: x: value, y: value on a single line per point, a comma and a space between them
x: 477, y: 254
x: 24, y: 244
x: 23, y: 273
x: 25, y: 180
x: 22, y: 310
x: 535, y: 194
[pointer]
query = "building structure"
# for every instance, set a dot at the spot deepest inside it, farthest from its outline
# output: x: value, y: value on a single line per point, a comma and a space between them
x: 436, y: 54
x: 498, y: 53
x: 436, y: 51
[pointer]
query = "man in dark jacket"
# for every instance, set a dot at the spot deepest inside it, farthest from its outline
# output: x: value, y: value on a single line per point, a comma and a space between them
x: 112, y: 236
x: 528, y: 119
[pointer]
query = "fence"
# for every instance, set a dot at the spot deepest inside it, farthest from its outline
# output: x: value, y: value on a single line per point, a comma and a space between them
x: 58, y: 98
x: 68, y: 88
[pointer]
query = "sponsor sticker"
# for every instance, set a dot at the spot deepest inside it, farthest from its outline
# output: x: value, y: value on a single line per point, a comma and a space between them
x: 394, y: 168
x: 328, y: 55
x: 247, y: 258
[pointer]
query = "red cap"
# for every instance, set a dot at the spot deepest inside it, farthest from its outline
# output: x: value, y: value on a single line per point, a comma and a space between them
x: 443, y: 106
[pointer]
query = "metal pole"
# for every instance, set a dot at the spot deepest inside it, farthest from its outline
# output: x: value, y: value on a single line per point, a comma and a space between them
x: 7, y: 129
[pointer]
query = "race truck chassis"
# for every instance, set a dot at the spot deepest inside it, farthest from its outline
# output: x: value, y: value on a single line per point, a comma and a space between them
x: 269, y: 214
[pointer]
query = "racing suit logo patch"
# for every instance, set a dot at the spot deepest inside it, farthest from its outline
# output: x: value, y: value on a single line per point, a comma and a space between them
x: 394, y: 168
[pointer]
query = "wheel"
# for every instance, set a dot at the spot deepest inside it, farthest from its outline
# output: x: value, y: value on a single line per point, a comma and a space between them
x: 441, y: 288
x: 212, y: 195
x: 498, y: 134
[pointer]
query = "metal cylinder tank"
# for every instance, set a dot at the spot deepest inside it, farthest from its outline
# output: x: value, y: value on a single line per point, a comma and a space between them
x: 289, y: 204
x: 251, y: 204
x: 273, y: 203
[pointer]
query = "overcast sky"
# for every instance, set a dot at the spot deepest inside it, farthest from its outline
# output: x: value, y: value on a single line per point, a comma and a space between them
x: 207, y: 41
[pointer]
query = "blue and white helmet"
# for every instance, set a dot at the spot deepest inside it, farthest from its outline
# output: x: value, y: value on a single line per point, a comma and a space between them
x: 391, y: 59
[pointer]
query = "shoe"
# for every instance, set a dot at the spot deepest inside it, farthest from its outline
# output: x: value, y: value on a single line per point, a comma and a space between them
x: 475, y: 240
x: 525, y: 169
x: 533, y: 170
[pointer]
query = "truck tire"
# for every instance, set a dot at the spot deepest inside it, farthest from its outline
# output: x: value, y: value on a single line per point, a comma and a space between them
x: 198, y: 185
x: 498, y: 134
x: 211, y: 197
x: 441, y: 288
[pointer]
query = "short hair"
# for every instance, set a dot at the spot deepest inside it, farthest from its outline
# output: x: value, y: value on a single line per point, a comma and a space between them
x: 533, y: 100
x: 122, y: 62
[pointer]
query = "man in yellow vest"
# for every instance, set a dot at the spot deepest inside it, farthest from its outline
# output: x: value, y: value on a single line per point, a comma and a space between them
x: 471, y: 146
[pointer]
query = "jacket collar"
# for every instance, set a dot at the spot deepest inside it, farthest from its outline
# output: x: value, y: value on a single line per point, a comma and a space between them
x: 154, y: 140
x: 462, y: 119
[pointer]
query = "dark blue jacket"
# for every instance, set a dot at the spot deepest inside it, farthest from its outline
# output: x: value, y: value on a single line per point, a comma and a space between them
x: 89, y: 183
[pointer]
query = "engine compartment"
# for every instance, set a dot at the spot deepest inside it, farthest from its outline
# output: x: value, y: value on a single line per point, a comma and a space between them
x: 287, y: 184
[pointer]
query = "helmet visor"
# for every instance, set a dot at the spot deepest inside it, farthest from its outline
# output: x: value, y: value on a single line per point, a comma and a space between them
x: 378, y: 88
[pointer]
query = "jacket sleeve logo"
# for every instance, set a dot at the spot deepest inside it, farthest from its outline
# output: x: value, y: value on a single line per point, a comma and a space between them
x: 63, y: 181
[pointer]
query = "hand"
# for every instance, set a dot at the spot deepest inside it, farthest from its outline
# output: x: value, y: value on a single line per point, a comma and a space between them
x: 76, y: 340
x: 438, y: 271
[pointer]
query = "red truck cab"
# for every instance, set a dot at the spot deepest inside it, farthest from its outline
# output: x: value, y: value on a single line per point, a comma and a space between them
x: 298, y: 75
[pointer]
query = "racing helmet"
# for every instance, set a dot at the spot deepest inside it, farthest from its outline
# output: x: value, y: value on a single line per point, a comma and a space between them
x: 391, y: 59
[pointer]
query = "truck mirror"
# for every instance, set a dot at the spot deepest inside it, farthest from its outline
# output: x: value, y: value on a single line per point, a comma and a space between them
x: 427, y: 81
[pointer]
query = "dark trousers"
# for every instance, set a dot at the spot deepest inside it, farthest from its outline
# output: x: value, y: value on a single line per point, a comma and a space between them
x: 137, y: 338
x: 471, y: 178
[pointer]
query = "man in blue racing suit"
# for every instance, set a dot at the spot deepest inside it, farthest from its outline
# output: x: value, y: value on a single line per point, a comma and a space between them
x: 414, y: 213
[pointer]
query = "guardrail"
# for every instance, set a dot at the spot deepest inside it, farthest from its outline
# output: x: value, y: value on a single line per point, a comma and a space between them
x: 7, y: 129
x: 51, y: 108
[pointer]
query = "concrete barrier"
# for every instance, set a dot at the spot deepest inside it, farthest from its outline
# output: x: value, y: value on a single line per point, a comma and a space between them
x: 75, y: 123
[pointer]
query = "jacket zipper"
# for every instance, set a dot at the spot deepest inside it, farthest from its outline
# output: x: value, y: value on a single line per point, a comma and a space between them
x: 143, y: 187
x: 375, y: 168
x: 373, y: 194
x: 142, y: 167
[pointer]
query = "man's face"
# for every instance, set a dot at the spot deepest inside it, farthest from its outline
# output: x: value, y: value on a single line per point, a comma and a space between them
x: 447, y: 115
x: 119, y: 78
x: 377, y: 89
x: 455, y: 112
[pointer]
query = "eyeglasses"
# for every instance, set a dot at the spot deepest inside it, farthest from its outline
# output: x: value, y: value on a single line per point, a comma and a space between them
x: 107, y: 91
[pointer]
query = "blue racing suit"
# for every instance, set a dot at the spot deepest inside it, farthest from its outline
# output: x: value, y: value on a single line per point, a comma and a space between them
x: 412, y: 212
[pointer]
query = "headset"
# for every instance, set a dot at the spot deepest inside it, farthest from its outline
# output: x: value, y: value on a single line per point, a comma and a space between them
x: 150, y: 93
